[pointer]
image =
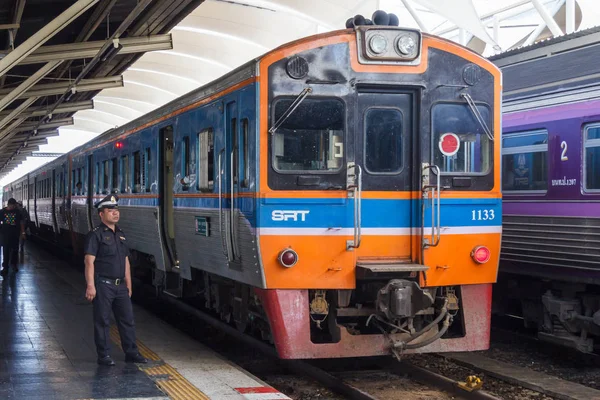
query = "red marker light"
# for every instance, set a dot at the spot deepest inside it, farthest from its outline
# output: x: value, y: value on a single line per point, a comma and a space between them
x: 481, y: 254
x: 449, y: 144
x: 288, y: 258
x: 119, y: 145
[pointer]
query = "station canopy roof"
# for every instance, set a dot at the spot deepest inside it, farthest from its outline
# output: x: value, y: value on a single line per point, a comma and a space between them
x: 145, y: 53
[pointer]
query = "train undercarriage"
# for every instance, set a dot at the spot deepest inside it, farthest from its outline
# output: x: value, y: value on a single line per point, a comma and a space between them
x: 380, y: 317
x: 563, y: 313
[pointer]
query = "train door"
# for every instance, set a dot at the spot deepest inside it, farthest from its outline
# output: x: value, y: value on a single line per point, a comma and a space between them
x: 36, y: 194
x: 229, y: 185
x: 166, y: 181
x: 54, y: 194
x: 90, y: 189
x: 382, y: 180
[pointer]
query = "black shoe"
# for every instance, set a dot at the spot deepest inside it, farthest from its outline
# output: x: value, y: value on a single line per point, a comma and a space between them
x: 135, y: 358
x: 106, y: 360
x: 16, y: 269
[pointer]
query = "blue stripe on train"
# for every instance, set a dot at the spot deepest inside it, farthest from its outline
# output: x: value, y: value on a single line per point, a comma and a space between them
x: 339, y: 213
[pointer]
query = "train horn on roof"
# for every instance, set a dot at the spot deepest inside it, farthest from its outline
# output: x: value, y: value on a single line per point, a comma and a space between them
x: 379, y: 17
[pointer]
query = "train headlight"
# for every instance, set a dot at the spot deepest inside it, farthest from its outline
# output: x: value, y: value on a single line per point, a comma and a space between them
x: 377, y: 44
x: 481, y: 254
x: 288, y: 258
x: 406, y: 45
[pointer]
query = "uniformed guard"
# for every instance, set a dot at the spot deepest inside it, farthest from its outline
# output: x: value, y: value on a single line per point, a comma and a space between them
x: 108, y: 277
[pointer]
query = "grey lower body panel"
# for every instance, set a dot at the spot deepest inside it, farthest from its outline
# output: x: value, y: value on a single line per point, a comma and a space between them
x: 142, y: 231
x: 207, y: 253
x: 80, y: 218
x: 558, y: 243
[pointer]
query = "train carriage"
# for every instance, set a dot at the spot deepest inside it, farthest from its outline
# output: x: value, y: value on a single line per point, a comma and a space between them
x: 550, y: 268
x: 339, y: 195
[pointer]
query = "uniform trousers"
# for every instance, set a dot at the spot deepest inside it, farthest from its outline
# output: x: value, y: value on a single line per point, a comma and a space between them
x: 116, y: 298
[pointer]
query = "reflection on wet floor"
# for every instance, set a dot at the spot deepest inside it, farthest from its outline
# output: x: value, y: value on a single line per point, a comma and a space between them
x: 47, y: 344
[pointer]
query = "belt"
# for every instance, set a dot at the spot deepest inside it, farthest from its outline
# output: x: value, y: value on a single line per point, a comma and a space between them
x: 110, y: 281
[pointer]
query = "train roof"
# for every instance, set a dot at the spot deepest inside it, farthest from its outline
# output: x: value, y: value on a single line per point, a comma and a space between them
x: 551, y: 68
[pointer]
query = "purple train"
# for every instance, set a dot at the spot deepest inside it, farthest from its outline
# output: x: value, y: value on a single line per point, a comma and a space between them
x: 550, y: 257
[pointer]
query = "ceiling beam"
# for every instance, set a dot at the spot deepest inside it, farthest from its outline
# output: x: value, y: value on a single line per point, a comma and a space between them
x: 27, y: 84
x: 55, y: 123
x: 100, y: 13
x: 53, y: 89
x: 47, y: 154
x: 75, y: 51
x: 17, y: 111
x: 44, y: 34
x: 43, y: 110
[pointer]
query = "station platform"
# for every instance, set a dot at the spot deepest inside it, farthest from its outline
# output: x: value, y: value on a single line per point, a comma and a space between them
x: 47, y: 347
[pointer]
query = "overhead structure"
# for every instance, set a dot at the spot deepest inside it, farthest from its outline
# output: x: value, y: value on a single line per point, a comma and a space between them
x: 55, y: 56
x: 172, y: 47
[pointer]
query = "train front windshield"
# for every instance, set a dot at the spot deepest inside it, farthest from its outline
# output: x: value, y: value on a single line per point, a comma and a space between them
x: 311, y: 138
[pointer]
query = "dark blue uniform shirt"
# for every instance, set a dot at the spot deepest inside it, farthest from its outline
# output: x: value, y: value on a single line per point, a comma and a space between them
x: 110, y: 249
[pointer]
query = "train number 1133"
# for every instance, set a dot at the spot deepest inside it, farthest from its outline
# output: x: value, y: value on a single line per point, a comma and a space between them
x: 482, y: 215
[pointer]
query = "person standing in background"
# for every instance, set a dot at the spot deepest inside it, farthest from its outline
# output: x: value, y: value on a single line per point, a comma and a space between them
x: 13, y: 228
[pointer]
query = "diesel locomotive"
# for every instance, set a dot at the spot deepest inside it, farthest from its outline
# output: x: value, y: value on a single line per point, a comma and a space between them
x: 338, y: 196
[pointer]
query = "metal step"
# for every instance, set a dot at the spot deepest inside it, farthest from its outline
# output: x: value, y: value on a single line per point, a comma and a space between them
x: 372, y: 267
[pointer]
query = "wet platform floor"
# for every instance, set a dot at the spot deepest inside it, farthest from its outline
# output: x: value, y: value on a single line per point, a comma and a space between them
x: 47, y: 347
x: 46, y: 343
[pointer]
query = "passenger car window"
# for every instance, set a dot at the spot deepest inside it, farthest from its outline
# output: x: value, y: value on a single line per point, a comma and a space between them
x: 525, y: 161
x: 591, y: 159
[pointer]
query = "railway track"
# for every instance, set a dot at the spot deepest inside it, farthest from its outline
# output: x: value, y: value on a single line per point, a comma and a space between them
x: 381, y: 378
x: 389, y: 377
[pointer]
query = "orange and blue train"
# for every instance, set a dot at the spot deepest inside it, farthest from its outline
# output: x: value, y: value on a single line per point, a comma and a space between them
x: 338, y: 196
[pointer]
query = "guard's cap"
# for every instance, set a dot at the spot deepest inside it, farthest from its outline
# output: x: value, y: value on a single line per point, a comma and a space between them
x: 110, y: 201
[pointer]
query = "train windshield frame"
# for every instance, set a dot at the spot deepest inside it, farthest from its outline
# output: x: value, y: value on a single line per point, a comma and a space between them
x: 311, y: 140
x: 456, y: 118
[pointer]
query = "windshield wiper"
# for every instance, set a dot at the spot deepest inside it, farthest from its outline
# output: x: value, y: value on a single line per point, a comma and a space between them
x: 290, y: 109
x: 477, y: 115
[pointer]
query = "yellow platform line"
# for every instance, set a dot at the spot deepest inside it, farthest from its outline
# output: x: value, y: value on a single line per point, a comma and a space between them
x: 165, y: 376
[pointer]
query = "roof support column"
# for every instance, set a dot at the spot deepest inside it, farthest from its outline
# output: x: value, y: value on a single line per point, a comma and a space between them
x: 44, y: 34
x: 28, y: 83
x: 570, y: 22
x: 415, y: 16
x: 548, y: 19
x: 538, y: 31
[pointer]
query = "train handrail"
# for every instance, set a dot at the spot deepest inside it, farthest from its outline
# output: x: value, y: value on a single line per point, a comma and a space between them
x: 436, y: 226
x: 225, y: 251
x: 357, y: 194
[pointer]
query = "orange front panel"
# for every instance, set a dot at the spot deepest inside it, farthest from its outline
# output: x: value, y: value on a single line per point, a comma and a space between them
x: 450, y: 263
x: 323, y: 262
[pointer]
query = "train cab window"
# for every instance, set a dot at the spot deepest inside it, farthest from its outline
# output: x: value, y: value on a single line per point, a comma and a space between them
x: 469, y: 150
x: 206, y: 160
x: 137, y: 172
x: 124, y: 174
x: 591, y: 159
x: 311, y: 138
x: 525, y: 161
x: 115, y: 176
x: 383, y: 141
